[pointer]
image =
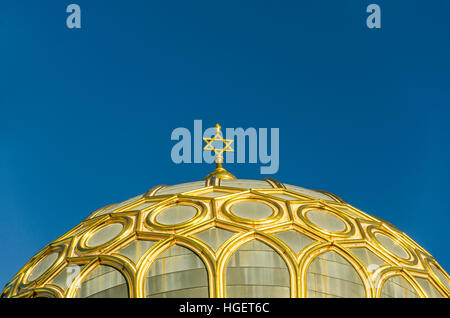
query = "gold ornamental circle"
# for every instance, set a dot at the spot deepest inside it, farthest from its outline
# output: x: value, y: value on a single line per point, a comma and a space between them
x: 60, y: 249
x: 126, y: 222
x: 374, y: 229
x: 277, y: 211
x: 302, y: 213
x: 200, y: 208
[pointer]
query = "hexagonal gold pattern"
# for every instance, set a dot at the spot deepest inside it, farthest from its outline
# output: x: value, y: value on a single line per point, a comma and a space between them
x: 290, y: 231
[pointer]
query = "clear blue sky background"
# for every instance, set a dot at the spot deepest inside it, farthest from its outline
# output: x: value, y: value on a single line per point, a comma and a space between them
x: 86, y: 115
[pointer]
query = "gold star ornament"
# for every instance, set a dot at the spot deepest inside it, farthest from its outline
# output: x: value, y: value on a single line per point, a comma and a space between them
x: 219, y: 172
x: 218, y: 151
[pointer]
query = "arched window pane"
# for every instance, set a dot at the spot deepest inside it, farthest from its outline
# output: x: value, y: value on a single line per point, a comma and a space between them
x: 177, y: 272
x: 428, y: 287
x: 104, y: 282
x: 257, y: 270
x: 398, y: 287
x: 330, y: 275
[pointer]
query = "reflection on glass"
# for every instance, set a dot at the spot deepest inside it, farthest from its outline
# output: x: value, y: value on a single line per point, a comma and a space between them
x: 103, y: 282
x: 256, y: 270
x: 330, y: 275
x: 177, y: 272
x: 398, y: 287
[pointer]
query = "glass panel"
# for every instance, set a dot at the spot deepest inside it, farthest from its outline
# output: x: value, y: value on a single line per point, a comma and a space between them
x: 66, y: 277
x: 214, y: 237
x: 246, y: 184
x: 256, y: 270
x: 176, y: 214
x: 295, y: 240
x: 330, y: 275
x: 180, y: 188
x: 369, y: 258
x: 136, y: 249
x: 326, y: 220
x: 311, y: 193
x: 285, y: 196
x: 441, y: 276
x: 105, y: 234
x: 42, y: 266
x: 213, y: 194
x: 103, y: 282
x: 398, y: 287
x: 429, y: 288
x: 177, y: 272
x: 391, y: 245
x: 251, y: 210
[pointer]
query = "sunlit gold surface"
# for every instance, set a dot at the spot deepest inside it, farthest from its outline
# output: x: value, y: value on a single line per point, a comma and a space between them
x: 220, y: 173
x: 215, y: 211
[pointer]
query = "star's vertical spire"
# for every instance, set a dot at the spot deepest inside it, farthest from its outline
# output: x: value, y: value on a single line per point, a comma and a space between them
x: 219, y: 172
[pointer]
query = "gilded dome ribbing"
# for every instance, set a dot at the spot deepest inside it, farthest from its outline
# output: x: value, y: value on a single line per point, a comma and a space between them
x: 231, y: 238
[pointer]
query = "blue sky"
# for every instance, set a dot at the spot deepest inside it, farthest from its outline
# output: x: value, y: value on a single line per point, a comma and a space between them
x: 86, y: 115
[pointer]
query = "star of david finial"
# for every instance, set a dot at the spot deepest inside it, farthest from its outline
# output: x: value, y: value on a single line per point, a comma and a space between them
x: 219, y: 172
x: 218, y: 151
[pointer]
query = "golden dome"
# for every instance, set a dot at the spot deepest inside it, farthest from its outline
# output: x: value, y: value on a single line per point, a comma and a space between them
x: 231, y: 238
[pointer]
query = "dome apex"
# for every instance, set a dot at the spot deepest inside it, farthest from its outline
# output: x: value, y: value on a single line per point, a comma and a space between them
x: 219, y: 173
